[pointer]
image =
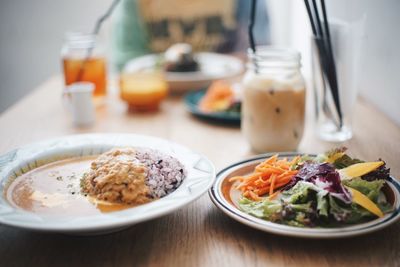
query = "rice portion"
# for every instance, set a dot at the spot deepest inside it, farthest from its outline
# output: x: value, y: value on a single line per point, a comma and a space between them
x: 132, y: 176
x: 164, y: 173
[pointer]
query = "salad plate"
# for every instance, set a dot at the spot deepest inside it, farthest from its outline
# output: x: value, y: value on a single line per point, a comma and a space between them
x: 199, y: 171
x: 228, y: 197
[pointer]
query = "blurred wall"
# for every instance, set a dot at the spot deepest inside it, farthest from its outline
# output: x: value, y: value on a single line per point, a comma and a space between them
x: 380, y: 54
x: 31, y: 36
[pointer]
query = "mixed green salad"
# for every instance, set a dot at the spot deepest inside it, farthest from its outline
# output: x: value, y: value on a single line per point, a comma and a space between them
x: 329, y: 190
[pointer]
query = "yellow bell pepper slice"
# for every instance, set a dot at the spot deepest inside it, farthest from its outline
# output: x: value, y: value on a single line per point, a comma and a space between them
x: 362, y: 200
x: 359, y: 169
x: 335, y: 157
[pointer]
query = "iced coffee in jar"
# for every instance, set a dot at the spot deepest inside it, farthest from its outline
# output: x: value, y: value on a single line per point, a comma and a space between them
x: 273, y: 100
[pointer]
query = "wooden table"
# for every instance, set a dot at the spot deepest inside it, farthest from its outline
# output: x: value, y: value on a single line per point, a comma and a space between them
x: 199, y: 234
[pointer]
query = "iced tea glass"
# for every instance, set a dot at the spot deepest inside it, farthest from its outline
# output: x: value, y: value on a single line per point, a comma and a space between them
x: 84, y: 61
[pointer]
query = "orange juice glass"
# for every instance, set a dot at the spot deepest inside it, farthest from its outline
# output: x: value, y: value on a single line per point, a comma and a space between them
x: 83, y: 61
x: 143, y: 91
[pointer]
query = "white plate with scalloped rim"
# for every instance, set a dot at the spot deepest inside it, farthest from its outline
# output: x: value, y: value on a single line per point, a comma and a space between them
x: 200, y: 177
x: 222, y: 199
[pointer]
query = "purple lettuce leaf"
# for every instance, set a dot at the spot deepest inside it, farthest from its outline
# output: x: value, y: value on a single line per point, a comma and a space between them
x: 382, y: 173
x: 324, y: 176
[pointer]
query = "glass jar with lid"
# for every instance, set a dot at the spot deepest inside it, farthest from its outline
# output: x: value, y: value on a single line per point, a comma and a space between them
x: 83, y: 60
x: 273, y: 100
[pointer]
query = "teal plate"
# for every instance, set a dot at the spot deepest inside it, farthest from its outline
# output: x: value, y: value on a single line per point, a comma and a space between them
x: 192, y: 100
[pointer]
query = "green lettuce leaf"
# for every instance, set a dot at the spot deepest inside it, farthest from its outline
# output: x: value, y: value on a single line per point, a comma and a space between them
x: 306, y: 205
x: 299, y: 193
x: 371, y: 189
x: 330, y: 155
x: 265, y: 209
x: 337, y: 157
x: 303, y: 159
x: 344, y: 213
x: 345, y: 161
x: 322, y: 203
x: 304, y: 192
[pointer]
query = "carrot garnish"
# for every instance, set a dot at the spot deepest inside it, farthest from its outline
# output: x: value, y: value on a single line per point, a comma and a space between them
x: 267, y: 178
x: 271, y: 188
x: 271, y: 197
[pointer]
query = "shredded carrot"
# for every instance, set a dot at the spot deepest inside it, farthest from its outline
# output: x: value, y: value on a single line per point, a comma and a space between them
x: 271, y: 188
x: 272, y: 196
x: 254, y: 195
x: 267, y: 178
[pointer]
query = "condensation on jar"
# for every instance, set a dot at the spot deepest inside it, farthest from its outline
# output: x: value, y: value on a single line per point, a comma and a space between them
x: 273, y: 100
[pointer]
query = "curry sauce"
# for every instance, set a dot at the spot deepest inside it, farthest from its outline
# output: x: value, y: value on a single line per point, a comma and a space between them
x: 54, y: 189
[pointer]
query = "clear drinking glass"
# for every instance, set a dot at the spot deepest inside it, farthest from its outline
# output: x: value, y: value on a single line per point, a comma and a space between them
x: 83, y: 60
x: 346, y: 42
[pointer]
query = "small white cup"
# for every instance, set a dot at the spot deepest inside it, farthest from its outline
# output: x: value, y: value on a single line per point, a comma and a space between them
x: 78, y: 100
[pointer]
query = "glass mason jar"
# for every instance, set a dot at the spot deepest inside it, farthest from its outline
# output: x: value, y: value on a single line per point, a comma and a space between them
x: 273, y: 100
x: 84, y: 61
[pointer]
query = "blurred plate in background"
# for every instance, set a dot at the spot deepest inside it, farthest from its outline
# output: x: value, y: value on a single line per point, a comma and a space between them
x: 192, y: 100
x: 213, y: 66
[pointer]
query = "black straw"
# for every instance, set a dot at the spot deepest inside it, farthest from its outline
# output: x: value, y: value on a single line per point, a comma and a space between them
x: 310, y: 17
x: 323, y: 43
x: 318, y: 21
x: 251, y: 25
x: 95, y: 31
x: 332, y: 60
x: 328, y: 35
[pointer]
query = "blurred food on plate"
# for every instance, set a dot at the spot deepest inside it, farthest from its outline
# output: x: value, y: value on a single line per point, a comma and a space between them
x: 220, y: 103
x: 221, y: 96
x: 211, y: 66
x: 180, y: 58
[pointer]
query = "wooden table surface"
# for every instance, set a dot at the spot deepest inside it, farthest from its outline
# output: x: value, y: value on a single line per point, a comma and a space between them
x: 199, y: 234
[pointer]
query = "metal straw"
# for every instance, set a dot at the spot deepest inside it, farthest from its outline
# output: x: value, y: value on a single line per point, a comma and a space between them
x: 95, y: 31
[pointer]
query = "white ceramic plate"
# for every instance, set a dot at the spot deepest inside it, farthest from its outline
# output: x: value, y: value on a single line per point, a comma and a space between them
x: 213, y: 66
x: 200, y: 176
x: 229, y: 208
